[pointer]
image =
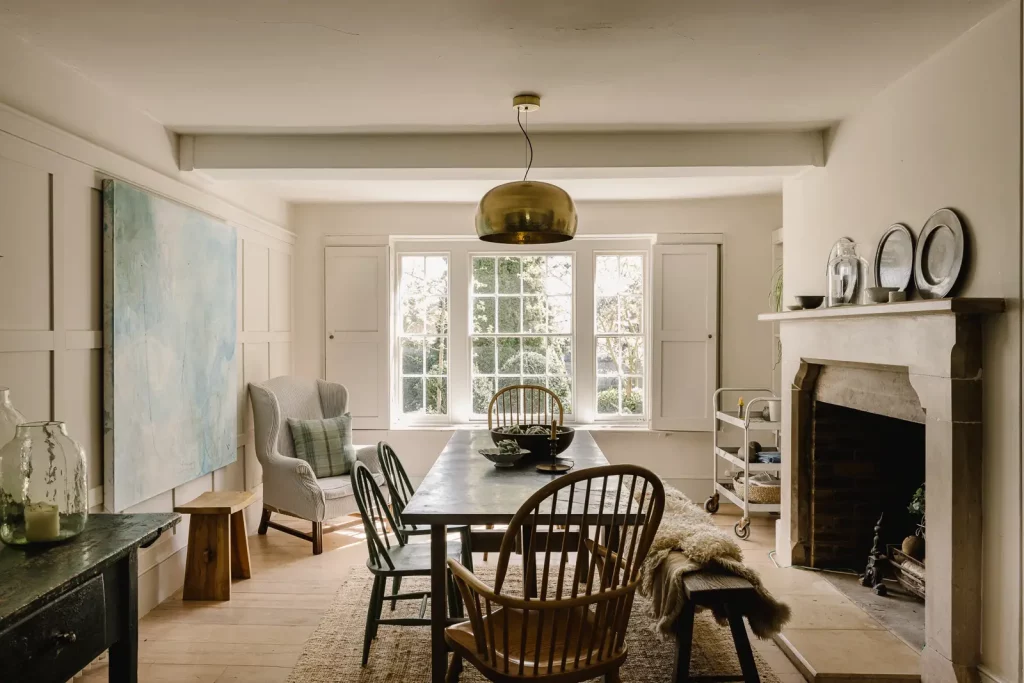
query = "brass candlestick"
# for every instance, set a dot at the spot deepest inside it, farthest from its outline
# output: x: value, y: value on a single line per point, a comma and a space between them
x: 556, y: 465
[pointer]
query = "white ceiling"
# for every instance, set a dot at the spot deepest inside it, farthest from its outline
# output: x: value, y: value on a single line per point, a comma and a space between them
x: 470, y: 190
x: 421, y: 65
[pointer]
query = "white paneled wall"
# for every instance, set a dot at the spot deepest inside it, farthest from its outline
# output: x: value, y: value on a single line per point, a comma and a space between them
x: 51, y: 339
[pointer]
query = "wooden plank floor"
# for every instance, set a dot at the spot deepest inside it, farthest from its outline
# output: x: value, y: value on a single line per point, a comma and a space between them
x: 258, y: 635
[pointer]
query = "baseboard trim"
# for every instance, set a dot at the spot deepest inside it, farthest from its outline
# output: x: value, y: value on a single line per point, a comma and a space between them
x: 987, y: 676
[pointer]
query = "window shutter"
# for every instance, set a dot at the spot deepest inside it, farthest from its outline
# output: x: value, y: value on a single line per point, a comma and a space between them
x: 685, y: 336
x: 356, y: 328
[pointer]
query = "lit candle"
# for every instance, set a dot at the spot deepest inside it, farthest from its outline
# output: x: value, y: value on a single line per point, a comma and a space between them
x: 42, y: 522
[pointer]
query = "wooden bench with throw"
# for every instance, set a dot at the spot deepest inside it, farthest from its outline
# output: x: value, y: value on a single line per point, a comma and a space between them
x: 692, y: 566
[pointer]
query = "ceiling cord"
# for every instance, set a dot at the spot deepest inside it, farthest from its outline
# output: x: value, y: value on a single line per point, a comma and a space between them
x: 529, y: 144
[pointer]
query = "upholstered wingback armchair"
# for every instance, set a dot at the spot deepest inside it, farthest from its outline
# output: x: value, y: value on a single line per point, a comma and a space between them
x: 289, y: 486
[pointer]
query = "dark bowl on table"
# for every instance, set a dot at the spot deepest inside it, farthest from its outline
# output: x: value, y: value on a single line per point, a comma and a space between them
x: 539, y: 445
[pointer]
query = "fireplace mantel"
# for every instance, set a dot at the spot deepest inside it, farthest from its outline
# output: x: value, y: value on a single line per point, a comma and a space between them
x: 937, y: 344
x: 954, y: 306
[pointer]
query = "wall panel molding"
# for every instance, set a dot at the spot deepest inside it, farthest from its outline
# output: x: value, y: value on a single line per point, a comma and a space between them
x: 82, y: 152
x: 12, y: 341
x: 56, y: 373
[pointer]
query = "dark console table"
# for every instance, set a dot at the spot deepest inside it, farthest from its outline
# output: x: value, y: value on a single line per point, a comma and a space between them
x: 63, y: 605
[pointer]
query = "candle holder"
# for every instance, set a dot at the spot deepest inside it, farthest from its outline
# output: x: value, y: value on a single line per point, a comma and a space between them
x: 555, y: 465
x: 44, y: 494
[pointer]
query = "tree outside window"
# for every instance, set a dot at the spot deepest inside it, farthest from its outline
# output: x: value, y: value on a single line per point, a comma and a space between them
x: 619, y: 333
x: 521, y: 325
x: 423, y: 335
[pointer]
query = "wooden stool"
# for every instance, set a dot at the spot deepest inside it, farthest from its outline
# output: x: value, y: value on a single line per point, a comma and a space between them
x: 218, y: 547
x: 709, y: 589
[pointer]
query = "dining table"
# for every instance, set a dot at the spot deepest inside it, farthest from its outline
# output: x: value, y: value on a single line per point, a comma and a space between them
x: 463, y: 487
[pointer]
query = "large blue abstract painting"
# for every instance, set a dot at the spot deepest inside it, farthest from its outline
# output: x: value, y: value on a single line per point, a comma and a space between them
x: 169, y: 335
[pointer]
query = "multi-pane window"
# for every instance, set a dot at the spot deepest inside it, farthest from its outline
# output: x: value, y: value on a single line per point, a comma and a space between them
x: 423, y: 334
x: 521, y: 330
x: 619, y: 333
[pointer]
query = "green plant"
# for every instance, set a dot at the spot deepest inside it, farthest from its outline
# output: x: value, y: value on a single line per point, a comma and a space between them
x: 775, y: 304
x: 608, y: 401
x: 775, y: 290
x: 916, y: 506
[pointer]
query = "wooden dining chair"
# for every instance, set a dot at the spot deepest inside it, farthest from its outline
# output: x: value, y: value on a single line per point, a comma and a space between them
x: 562, y: 628
x: 391, y: 556
x: 401, y: 491
x: 524, y: 404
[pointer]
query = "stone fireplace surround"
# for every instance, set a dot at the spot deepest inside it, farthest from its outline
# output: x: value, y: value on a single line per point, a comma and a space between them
x: 937, y: 345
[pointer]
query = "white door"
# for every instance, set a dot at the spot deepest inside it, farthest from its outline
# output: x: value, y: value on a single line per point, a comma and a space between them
x: 685, y: 336
x: 356, y: 326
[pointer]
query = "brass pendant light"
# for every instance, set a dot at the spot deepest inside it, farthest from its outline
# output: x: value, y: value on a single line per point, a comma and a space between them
x: 526, y: 211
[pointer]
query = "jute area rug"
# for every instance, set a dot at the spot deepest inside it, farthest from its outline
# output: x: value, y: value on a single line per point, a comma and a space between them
x: 401, y: 654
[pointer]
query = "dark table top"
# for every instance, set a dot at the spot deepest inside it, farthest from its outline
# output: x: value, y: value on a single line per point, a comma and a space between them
x: 463, y: 487
x: 31, y: 576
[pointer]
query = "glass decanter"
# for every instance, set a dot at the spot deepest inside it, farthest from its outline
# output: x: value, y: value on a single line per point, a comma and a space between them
x: 845, y: 274
x: 44, y: 493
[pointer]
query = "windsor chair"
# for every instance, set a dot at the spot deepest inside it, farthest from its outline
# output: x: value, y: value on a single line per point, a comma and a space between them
x: 391, y: 556
x: 401, y: 491
x: 523, y: 404
x: 569, y: 629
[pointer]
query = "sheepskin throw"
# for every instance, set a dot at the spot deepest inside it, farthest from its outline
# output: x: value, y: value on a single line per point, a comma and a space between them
x: 688, y: 541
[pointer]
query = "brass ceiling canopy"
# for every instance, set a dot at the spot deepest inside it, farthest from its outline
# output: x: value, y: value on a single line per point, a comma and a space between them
x: 526, y: 212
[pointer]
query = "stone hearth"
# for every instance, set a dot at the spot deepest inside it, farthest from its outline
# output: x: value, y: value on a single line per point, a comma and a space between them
x: 931, y: 351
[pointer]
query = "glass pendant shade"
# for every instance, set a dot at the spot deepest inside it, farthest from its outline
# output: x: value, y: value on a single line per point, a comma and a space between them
x: 44, y: 494
x: 526, y: 212
x: 10, y: 418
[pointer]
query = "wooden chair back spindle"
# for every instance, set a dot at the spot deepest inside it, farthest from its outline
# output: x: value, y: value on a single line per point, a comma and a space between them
x: 378, y: 520
x: 569, y: 619
x: 399, y: 486
x: 524, y: 404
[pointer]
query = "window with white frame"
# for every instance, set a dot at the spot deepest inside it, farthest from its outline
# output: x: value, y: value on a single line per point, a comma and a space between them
x: 619, y: 333
x: 422, y: 335
x: 522, y: 325
x: 606, y: 323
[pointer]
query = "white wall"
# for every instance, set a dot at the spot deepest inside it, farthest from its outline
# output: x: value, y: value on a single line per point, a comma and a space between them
x: 51, y: 91
x: 50, y: 317
x: 746, y: 356
x: 947, y: 134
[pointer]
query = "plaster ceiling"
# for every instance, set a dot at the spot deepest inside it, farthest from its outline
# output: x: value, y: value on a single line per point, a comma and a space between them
x: 416, y: 65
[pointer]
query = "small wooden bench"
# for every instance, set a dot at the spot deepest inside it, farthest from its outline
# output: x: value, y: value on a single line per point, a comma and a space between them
x: 729, y: 593
x: 218, y: 546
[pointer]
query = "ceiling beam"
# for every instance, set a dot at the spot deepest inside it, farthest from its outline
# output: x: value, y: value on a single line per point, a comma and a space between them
x: 678, y: 150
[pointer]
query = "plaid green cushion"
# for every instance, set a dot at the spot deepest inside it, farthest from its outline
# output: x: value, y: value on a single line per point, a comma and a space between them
x: 325, y: 444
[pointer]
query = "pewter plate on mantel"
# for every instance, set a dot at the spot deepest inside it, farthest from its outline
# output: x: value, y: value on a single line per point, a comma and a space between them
x: 940, y: 254
x: 894, y: 258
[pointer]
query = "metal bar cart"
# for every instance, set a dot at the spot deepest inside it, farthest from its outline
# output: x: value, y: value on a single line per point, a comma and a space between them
x: 750, y: 421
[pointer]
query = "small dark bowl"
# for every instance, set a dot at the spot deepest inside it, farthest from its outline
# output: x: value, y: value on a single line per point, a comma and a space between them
x: 538, y: 444
x: 809, y: 301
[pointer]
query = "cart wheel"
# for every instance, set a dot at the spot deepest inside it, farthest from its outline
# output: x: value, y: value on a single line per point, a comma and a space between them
x: 742, y: 529
x: 711, y: 504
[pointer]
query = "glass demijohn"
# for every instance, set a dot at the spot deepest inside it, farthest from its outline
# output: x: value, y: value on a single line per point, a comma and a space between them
x: 846, y: 271
x: 43, y: 489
